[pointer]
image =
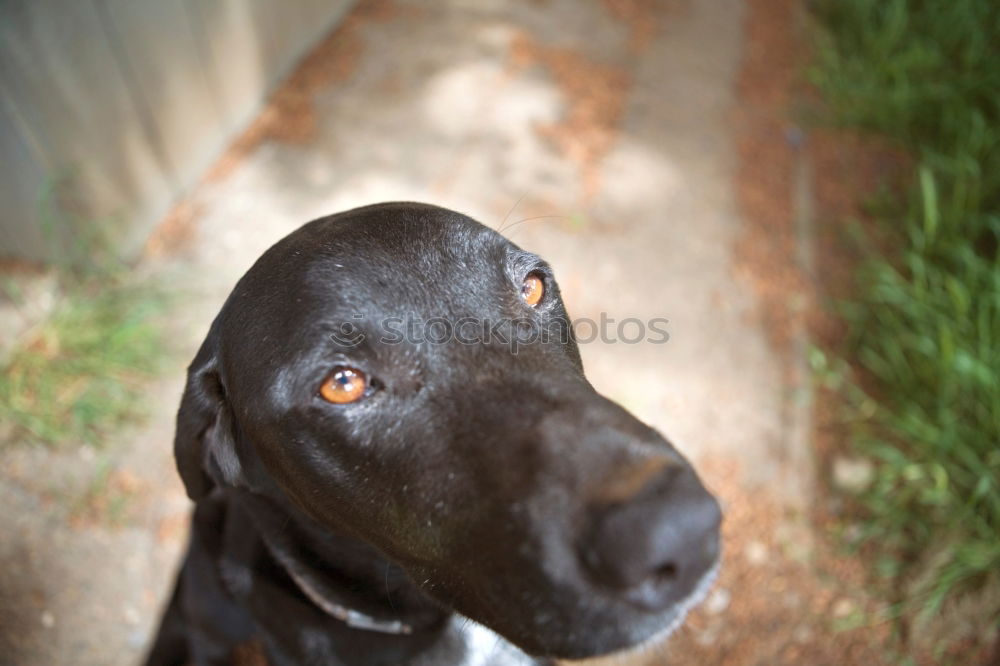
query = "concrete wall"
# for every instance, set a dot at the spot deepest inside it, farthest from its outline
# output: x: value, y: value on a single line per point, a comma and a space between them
x: 126, y: 102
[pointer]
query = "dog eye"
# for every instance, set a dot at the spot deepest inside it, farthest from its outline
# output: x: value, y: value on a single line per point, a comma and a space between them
x: 533, y: 289
x: 344, y: 385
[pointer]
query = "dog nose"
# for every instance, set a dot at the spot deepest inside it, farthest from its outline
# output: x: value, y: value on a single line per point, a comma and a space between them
x: 653, y: 548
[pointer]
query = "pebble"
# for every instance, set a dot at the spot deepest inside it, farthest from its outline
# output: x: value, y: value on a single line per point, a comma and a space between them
x: 842, y: 608
x: 756, y: 552
x: 718, y: 601
x: 48, y: 620
x: 852, y: 475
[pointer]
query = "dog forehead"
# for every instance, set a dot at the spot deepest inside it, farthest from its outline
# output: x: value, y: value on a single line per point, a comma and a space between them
x: 413, y: 264
x: 395, y: 259
x: 391, y: 262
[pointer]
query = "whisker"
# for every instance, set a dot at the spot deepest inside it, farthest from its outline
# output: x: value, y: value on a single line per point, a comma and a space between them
x: 537, y: 217
x: 512, y: 209
x: 388, y: 592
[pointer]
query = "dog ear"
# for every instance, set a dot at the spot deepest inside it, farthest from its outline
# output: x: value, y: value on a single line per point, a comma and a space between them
x: 205, y: 443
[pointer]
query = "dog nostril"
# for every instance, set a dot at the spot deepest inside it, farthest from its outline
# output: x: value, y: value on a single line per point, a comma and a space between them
x: 654, y: 548
x: 665, y: 573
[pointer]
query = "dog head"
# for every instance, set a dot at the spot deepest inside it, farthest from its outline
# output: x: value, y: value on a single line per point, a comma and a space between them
x: 407, y: 376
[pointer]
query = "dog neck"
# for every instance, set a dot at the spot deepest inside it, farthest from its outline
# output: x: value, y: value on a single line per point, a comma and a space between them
x: 378, y: 615
x: 344, y: 577
x: 349, y: 616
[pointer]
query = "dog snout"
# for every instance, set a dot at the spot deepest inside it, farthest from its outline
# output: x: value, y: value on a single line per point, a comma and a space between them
x: 654, y: 547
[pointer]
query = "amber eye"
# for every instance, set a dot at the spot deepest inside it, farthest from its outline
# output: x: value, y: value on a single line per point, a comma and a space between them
x: 343, y: 385
x: 533, y: 289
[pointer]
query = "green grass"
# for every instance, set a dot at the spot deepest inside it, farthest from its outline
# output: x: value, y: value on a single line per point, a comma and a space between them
x: 80, y: 373
x: 925, y: 317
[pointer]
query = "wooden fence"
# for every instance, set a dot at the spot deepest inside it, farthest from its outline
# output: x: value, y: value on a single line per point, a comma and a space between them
x: 130, y: 100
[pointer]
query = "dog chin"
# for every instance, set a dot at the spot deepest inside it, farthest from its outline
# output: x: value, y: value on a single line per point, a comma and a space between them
x: 673, y: 621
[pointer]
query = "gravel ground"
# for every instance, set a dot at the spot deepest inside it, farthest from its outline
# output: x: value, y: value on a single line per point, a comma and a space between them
x: 604, y: 134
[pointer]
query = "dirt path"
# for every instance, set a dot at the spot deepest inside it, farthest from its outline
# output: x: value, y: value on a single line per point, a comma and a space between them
x: 603, y: 133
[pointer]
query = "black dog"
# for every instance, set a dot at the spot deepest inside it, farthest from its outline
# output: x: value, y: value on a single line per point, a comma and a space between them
x: 388, y: 434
